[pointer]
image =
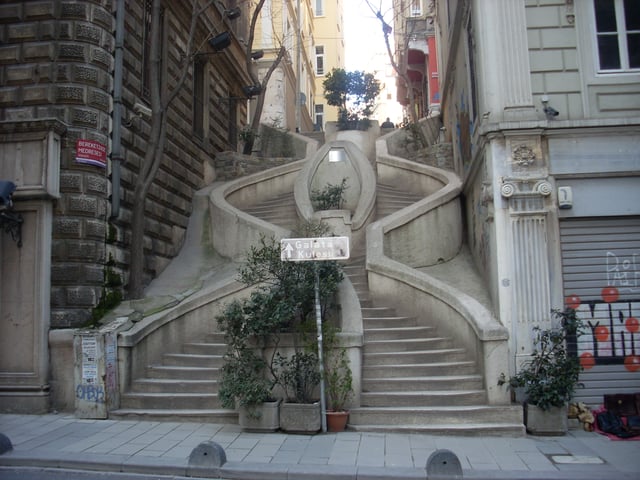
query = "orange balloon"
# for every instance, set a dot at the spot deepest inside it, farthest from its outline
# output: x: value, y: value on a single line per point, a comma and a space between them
x: 573, y: 301
x: 632, y: 324
x: 632, y: 363
x: 610, y: 294
x: 601, y: 333
x: 587, y: 361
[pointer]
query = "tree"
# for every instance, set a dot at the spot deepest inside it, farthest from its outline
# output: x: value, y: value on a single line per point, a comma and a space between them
x: 386, y: 31
x: 353, y: 92
x: 162, y: 95
x: 255, y: 121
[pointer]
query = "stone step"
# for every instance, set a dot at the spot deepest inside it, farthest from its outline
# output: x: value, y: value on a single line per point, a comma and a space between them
x: 373, y: 323
x: 467, y: 429
x: 208, y: 416
x: 407, y: 344
x: 398, y: 333
x: 204, y: 348
x: 425, y: 398
x: 421, y: 418
x: 181, y: 372
x: 378, y: 312
x: 170, y: 386
x: 414, y: 357
x: 425, y: 383
x: 191, y: 360
x: 173, y: 401
x: 392, y: 371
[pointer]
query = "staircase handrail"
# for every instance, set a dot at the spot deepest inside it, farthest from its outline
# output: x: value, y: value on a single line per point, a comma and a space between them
x: 467, y: 318
x: 235, y: 231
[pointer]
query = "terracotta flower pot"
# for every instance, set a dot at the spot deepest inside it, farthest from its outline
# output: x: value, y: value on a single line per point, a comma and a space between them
x: 337, y: 421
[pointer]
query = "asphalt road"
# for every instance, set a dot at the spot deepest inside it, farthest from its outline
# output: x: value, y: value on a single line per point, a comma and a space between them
x: 24, y: 473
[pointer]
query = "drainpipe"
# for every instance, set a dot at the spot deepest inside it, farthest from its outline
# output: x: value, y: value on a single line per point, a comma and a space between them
x: 118, y: 108
x: 299, y: 69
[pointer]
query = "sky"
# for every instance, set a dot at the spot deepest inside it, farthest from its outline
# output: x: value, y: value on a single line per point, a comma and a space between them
x: 363, y: 33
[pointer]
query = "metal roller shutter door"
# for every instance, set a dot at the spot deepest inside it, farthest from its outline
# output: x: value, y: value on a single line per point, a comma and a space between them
x: 601, y: 279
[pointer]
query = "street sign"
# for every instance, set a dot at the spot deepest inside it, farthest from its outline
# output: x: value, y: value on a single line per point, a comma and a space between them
x: 314, y: 249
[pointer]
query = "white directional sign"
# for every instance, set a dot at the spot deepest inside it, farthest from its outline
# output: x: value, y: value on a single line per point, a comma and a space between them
x: 310, y: 249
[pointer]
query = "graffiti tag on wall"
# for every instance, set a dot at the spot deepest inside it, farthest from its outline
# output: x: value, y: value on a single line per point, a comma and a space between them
x: 624, y: 272
x: 90, y: 393
x: 612, y: 330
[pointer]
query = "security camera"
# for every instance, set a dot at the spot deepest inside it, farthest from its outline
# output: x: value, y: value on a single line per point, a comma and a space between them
x: 6, y: 191
x: 551, y: 112
x: 141, y: 110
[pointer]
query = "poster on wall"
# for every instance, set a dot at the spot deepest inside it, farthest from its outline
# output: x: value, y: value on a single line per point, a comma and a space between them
x: 91, y: 153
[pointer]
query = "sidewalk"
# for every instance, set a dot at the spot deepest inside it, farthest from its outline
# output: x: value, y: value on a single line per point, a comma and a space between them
x: 62, y: 441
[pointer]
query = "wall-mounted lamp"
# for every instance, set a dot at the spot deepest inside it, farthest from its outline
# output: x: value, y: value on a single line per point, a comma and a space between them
x: 10, y: 221
x: 233, y: 13
x: 220, y: 41
x: 549, y: 111
x: 257, y: 54
x: 252, y: 90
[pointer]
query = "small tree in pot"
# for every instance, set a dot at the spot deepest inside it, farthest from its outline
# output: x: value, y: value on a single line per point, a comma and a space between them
x: 550, y: 377
x: 339, y: 385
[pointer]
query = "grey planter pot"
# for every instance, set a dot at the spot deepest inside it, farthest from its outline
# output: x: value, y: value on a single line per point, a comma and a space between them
x: 300, y: 417
x: 546, y: 422
x: 262, y: 418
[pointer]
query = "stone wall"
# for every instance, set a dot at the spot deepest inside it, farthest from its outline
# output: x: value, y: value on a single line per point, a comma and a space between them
x: 57, y: 62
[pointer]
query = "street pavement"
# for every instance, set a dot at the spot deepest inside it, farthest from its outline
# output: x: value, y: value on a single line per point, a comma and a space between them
x: 163, y: 449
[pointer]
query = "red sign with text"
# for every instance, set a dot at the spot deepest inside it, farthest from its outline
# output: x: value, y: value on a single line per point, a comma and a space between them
x: 91, y: 153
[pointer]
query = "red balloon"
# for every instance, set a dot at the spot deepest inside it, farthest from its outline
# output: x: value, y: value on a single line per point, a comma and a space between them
x: 587, y: 361
x: 601, y: 333
x: 573, y: 301
x: 610, y: 294
x: 632, y: 363
x: 632, y: 324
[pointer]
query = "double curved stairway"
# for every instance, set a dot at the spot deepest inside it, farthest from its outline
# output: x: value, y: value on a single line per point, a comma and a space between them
x: 415, y: 375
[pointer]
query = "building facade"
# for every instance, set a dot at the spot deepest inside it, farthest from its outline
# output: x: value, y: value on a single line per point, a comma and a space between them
x: 416, y: 56
x: 541, y: 101
x: 291, y: 90
x: 75, y: 118
x: 329, y: 52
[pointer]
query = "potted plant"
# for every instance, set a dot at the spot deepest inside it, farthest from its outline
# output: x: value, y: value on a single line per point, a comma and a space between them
x: 339, y: 389
x: 299, y: 376
x: 550, y: 377
x: 244, y: 383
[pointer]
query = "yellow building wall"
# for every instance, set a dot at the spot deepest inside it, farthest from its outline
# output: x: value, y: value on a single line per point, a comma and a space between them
x: 329, y: 34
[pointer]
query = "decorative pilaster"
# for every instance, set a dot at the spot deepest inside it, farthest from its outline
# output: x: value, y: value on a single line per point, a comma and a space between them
x: 526, y: 192
x: 510, y: 57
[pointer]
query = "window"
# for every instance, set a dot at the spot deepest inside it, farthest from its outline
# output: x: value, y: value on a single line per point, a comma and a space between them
x: 618, y: 34
x: 319, y: 10
x: 320, y: 60
x: 146, y: 51
x: 198, y: 98
x: 319, y: 111
x: 232, y: 123
x: 416, y: 8
x: 145, y: 90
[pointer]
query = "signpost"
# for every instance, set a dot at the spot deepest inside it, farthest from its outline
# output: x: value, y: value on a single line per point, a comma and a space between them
x: 316, y: 249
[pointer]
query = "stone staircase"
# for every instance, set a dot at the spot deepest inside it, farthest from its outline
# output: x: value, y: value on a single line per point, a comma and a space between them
x: 184, y: 386
x: 413, y: 379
